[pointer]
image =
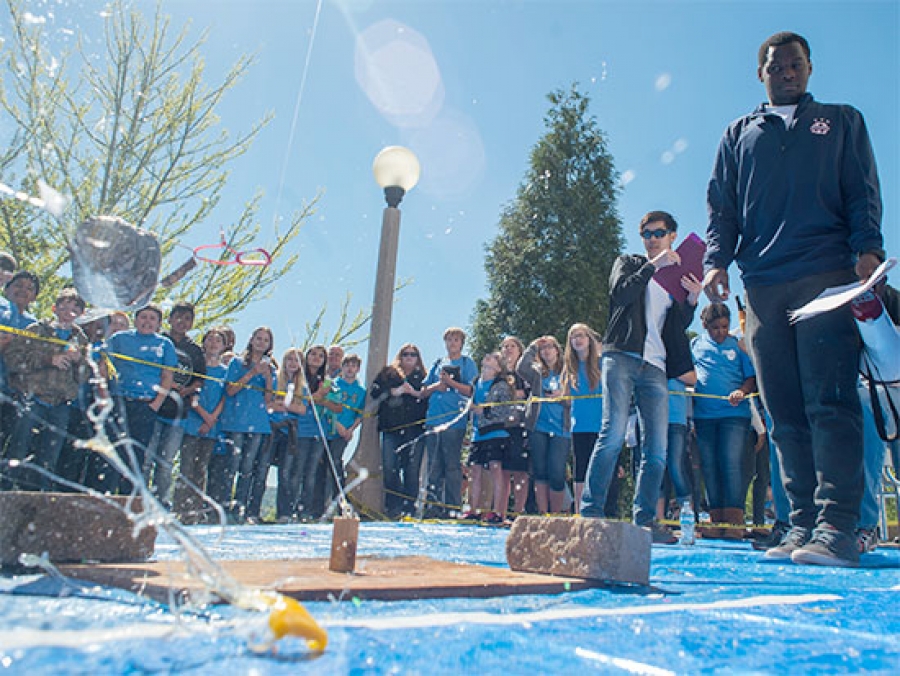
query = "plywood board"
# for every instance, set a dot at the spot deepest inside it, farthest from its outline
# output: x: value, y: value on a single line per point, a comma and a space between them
x: 375, y: 578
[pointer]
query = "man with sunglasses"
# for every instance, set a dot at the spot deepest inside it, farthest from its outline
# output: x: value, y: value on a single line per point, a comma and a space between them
x: 644, y: 345
x: 794, y: 199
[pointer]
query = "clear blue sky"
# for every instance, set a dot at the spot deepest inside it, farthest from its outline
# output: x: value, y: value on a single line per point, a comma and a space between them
x: 467, y: 84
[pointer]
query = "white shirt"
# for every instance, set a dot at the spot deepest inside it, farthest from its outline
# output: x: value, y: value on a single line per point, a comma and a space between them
x: 786, y: 113
x: 657, y: 302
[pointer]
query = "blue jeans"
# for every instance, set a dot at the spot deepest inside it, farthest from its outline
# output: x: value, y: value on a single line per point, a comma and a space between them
x: 807, y: 376
x: 51, y: 423
x: 284, y: 446
x: 401, y: 469
x: 676, y: 462
x: 549, y: 453
x: 247, y: 449
x: 160, y: 460
x: 309, y: 453
x: 220, y: 473
x: 624, y: 375
x: 135, y: 420
x: 445, y: 467
x: 722, y: 443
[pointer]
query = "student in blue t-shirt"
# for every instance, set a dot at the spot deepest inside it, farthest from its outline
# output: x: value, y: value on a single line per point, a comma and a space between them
x: 19, y: 292
x: 722, y: 421
x: 201, y: 431
x: 548, y: 422
x: 448, y: 387
x: 311, y: 432
x: 581, y: 375
x: 144, y: 361
x: 344, y: 403
x: 491, y: 407
x: 245, y: 418
x: 676, y: 449
x: 287, y: 407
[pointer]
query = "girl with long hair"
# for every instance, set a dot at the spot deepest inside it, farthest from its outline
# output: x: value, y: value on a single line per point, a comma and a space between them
x: 401, y: 419
x: 581, y: 375
x: 516, y: 463
x: 245, y: 418
x: 548, y: 422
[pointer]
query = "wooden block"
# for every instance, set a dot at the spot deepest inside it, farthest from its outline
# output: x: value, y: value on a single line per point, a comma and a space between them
x: 344, y: 536
x: 376, y: 578
x: 70, y: 527
x: 594, y: 549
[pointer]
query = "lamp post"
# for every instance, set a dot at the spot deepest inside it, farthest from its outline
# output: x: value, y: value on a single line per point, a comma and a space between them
x: 396, y: 170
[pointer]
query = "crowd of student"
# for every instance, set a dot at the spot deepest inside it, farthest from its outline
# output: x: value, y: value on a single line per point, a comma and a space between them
x: 204, y: 423
x: 221, y: 416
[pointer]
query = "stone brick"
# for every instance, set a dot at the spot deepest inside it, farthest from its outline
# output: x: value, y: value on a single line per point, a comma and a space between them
x: 593, y: 549
x: 70, y: 528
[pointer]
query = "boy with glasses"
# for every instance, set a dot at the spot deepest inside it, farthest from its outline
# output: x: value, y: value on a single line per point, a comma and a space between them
x: 644, y: 344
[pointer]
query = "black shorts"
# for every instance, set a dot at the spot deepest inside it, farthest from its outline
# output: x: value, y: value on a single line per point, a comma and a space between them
x: 516, y: 457
x: 583, y: 446
x: 490, y: 450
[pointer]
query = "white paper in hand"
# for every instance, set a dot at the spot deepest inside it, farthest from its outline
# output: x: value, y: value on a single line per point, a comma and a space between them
x: 835, y: 297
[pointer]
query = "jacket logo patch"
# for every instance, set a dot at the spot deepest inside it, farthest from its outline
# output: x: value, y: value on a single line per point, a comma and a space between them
x: 820, y: 126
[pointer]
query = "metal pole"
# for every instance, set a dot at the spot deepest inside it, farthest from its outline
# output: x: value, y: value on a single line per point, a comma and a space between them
x: 368, y: 454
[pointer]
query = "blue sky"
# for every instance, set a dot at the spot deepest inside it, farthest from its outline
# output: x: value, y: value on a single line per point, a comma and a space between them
x: 464, y: 84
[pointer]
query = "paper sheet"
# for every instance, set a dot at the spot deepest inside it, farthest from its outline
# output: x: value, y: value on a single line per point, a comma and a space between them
x: 835, y: 297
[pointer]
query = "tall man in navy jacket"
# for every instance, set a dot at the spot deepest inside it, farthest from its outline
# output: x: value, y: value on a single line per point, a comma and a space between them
x: 795, y: 200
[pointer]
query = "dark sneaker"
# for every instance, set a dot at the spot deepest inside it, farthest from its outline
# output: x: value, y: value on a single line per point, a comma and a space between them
x: 774, y: 537
x: 867, y: 540
x: 493, y: 518
x: 660, y: 534
x: 828, y: 547
x: 794, y: 539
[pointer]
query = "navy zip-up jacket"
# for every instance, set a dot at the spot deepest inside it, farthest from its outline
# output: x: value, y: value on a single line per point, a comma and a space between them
x: 790, y: 203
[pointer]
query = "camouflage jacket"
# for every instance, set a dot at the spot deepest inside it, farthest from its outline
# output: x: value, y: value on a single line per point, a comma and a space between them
x: 29, y: 361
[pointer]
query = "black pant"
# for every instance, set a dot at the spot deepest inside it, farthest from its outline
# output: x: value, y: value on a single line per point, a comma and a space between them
x: 807, y: 376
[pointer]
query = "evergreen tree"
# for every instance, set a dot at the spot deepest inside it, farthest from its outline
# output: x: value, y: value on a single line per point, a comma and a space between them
x: 549, y: 265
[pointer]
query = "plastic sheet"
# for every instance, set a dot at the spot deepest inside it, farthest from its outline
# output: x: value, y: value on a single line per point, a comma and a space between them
x: 715, y: 606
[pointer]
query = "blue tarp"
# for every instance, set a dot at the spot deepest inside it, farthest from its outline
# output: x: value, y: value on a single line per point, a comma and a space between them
x: 713, y: 607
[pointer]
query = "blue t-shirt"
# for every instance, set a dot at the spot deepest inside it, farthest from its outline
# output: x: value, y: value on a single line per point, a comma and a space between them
x: 721, y: 369
x: 139, y: 379
x: 587, y: 406
x: 678, y: 403
x: 308, y: 423
x: 352, y: 396
x: 550, y: 419
x: 445, y: 406
x: 479, y: 396
x: 208, y: 397
x: 10, y: 315
x: 245, y: 411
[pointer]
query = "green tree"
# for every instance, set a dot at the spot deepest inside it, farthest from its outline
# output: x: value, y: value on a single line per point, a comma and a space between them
x: 127, y: 126
x: 549, y: 265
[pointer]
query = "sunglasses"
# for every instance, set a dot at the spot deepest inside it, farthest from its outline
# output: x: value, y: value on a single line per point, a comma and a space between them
x: 658, y: 234
x: 409, y: 354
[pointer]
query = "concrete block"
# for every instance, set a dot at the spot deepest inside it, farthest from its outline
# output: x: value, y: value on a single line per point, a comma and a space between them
x: 71, y: 528
x: 593, y: 549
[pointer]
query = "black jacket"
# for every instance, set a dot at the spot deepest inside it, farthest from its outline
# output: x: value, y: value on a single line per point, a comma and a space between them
x: 627, y: 328
x: 404, y: 414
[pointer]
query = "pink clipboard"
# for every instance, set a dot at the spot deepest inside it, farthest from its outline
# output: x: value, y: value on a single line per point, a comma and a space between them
x: 691, y: 250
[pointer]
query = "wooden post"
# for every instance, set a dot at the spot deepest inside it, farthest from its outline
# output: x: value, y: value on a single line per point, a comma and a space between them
x: 343, y: 544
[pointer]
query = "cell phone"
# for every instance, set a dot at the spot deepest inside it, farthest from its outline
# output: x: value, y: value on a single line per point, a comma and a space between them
x: 452, y: 371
